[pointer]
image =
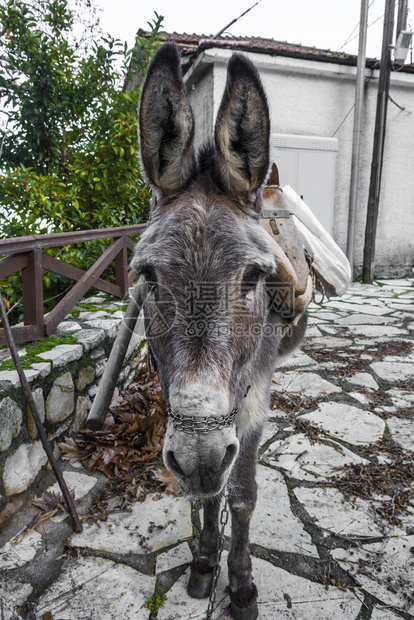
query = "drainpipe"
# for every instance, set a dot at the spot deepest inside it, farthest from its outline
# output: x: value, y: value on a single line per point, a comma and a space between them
x: 356, y: 141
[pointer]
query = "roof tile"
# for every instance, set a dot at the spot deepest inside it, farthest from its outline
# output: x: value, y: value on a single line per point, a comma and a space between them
x: 191, y: 44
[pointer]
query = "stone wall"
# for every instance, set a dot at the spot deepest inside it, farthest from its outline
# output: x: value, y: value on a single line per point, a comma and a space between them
x: 64, y: 379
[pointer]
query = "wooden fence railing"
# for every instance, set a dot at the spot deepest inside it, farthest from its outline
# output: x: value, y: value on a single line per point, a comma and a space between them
x: 25, y: 254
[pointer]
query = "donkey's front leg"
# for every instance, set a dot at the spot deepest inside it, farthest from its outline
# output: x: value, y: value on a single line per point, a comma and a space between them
x: 242, y: 501
x: 202, y: 568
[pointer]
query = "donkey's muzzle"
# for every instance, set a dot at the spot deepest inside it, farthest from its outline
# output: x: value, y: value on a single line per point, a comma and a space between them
x: 201, y: 467
x: 201, y: 444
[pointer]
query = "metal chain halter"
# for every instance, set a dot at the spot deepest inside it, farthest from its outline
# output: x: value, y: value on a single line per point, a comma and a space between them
x: 224, y: 517
x: 195, y: 424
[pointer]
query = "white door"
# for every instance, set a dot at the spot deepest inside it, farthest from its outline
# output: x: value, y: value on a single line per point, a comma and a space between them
x: 307, y: 164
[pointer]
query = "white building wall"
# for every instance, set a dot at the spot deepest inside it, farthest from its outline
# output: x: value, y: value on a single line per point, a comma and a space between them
x: 395, y: 243
x: 201, y: 96
x: 312, y: 98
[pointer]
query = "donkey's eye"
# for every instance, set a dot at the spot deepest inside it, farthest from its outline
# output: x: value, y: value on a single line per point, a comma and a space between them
x: 251, y: 278
x: 150, y: 278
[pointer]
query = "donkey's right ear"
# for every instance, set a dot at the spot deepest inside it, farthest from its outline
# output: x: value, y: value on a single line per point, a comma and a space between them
x: 166, y: 123
x: 242, y: 131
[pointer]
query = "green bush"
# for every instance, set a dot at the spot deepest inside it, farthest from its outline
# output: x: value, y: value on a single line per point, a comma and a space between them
x: 70, y: 152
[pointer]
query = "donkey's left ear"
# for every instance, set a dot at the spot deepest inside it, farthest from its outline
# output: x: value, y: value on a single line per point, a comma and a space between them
x: 166, y: 124
x: 242, y: 131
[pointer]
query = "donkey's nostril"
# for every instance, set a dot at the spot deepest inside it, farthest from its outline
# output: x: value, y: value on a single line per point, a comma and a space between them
x: 230, y: 455
x: 172, y: 464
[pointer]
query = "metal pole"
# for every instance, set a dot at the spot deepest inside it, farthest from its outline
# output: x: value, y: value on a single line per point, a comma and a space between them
x: 402, y: 17
x: 378, y: 150
x: 43, y: 437
x: 356, y: 143
x: 102, y: 400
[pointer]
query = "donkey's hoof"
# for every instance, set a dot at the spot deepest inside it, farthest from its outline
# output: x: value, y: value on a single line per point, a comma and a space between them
x: 243, y: 604
x: 199, y: 584
x: 244, y: 613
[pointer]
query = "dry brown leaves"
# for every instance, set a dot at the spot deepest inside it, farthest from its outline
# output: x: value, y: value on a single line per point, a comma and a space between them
x: 49, y: 501
x: 385, y: 446
x: 294, y: 403
x: 308, y: 429
x: 400, y: 348
x: 354, y: 364
x: 128, y: 449
x: 395, y: 480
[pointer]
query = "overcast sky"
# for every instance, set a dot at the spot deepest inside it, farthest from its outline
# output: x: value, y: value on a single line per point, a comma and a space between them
x: 326, y: 24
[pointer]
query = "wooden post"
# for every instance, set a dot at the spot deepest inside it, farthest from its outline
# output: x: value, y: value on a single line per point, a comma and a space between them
x: 378, y: 150
x: 32, y: 287
x: 100, y: 405
x: 121, y: 268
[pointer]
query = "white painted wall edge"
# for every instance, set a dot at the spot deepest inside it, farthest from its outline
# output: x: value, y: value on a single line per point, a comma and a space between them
x: 288, y: 64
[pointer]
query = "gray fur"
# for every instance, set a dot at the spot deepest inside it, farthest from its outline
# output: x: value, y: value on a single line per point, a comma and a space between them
x: 206, y: 259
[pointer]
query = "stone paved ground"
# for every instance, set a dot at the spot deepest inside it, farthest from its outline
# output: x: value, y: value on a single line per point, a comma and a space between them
x: 333, y: 533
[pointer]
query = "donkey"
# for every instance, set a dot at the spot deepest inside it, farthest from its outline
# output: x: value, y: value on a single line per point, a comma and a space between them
x: 211, y: 331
